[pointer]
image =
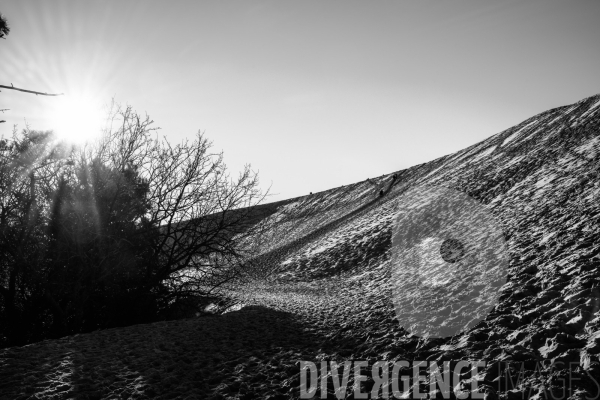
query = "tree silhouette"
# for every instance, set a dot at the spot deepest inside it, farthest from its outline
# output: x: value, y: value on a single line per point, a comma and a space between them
x: 4, y: 28
x: 130, y: 229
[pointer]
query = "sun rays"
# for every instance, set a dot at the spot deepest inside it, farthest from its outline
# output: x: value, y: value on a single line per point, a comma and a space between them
x: 77, y: 119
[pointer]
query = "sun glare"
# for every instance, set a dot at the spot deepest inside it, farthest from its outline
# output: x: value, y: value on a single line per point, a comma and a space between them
x: 77, y: 119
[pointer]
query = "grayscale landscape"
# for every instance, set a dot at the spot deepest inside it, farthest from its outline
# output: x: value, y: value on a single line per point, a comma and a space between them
x: 301, y: 199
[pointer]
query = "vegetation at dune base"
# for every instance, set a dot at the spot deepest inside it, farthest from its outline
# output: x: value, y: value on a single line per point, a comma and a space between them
x: 128, y: 229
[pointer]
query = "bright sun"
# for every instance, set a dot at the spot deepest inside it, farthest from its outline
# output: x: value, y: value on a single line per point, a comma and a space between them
x: 77, y: 119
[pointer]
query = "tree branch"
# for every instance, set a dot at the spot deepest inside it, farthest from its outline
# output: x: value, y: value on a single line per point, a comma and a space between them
x: 30, y: 91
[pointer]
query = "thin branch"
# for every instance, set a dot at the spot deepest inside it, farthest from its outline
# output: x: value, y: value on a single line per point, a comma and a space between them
x: 30, y: 91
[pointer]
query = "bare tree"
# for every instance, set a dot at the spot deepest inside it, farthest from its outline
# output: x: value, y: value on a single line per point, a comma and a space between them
x: 203, y: 219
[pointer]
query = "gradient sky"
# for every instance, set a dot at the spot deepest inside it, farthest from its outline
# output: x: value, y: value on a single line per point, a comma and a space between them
x: 312, y: 94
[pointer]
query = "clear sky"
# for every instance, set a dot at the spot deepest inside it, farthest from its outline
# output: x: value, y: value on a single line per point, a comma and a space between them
x: 312, y: 94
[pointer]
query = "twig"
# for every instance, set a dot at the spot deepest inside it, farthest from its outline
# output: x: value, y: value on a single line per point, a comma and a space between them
x: 30, y: 91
